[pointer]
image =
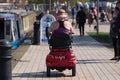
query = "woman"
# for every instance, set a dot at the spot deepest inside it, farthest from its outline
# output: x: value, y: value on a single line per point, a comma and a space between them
x: 60, y: 31
x: 61, y: 25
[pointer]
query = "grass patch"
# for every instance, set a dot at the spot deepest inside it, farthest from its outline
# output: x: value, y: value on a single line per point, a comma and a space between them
x: 102, y: 37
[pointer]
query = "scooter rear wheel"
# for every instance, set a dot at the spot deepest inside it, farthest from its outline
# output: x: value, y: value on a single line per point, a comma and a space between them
x: 48, y: 72
x: 74, y: 71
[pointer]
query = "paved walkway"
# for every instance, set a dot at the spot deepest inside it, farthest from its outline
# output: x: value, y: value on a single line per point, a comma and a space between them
x: 92, y: 62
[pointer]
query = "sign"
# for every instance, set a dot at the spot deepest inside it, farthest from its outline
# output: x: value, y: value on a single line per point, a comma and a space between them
x: 7, y: 16
x: 46, y: 21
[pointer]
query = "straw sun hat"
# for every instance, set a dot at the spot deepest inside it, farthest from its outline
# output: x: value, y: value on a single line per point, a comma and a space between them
x: 62, y: 13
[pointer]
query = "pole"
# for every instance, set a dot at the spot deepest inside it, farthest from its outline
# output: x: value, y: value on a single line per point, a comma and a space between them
x: 97, y: 17
x: 5, y: 60
x: 50, y: 4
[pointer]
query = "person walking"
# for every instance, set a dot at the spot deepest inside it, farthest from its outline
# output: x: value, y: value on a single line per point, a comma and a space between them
x: 73, y: 12
x: 81, y: 20
x: 90, y: 17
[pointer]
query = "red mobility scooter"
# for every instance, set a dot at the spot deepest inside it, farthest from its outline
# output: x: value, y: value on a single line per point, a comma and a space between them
x: 61, y: 55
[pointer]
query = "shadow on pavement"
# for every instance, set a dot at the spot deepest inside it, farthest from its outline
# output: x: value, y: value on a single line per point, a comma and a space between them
x: 94, y: 61
x: 54, y: 74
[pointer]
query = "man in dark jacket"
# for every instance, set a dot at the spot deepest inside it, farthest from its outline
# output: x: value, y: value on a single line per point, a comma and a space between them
x: 116, y: 29
x: 117, y: 23
x: 113, y: 34
x: 81, y: 20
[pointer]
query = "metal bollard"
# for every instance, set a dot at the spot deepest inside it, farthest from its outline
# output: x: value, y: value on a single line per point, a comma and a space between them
x: 36, y: 33
x: 5, y: 60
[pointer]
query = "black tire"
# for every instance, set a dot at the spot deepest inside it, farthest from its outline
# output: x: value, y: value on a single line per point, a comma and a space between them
x: 48, y: 72
x: 74, y: 71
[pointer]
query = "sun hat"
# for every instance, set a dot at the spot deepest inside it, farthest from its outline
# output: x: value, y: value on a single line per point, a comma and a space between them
x: 62, y: 13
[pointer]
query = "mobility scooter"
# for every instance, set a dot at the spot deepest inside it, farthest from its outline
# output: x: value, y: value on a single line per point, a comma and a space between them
x: 61, y: 56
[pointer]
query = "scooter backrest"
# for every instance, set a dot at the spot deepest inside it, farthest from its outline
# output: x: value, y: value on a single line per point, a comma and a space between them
x: 60, y: 40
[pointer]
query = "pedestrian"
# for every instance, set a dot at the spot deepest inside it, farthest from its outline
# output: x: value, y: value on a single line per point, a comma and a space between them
x: 90, y: 17
x: 94, y: 9
x: 95, y: 13
x: 81, y: 20
x: 103, y: 16
x: 54, y: 13
x: 116, y: 29
x: 61, y: 25
x: 114, y: 35
x: 73, y: 12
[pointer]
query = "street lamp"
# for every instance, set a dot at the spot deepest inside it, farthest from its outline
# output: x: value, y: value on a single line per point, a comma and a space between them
x: 50, y: 4
x: 97, y: 17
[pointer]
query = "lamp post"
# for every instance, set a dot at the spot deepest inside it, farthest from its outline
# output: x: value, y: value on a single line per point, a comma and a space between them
x: 50, y: 4
x: 97, y: 17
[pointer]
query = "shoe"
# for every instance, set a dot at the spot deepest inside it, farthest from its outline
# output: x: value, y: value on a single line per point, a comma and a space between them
x: 114, y: 58
x: 83, y: 34
x: 118, y: 61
